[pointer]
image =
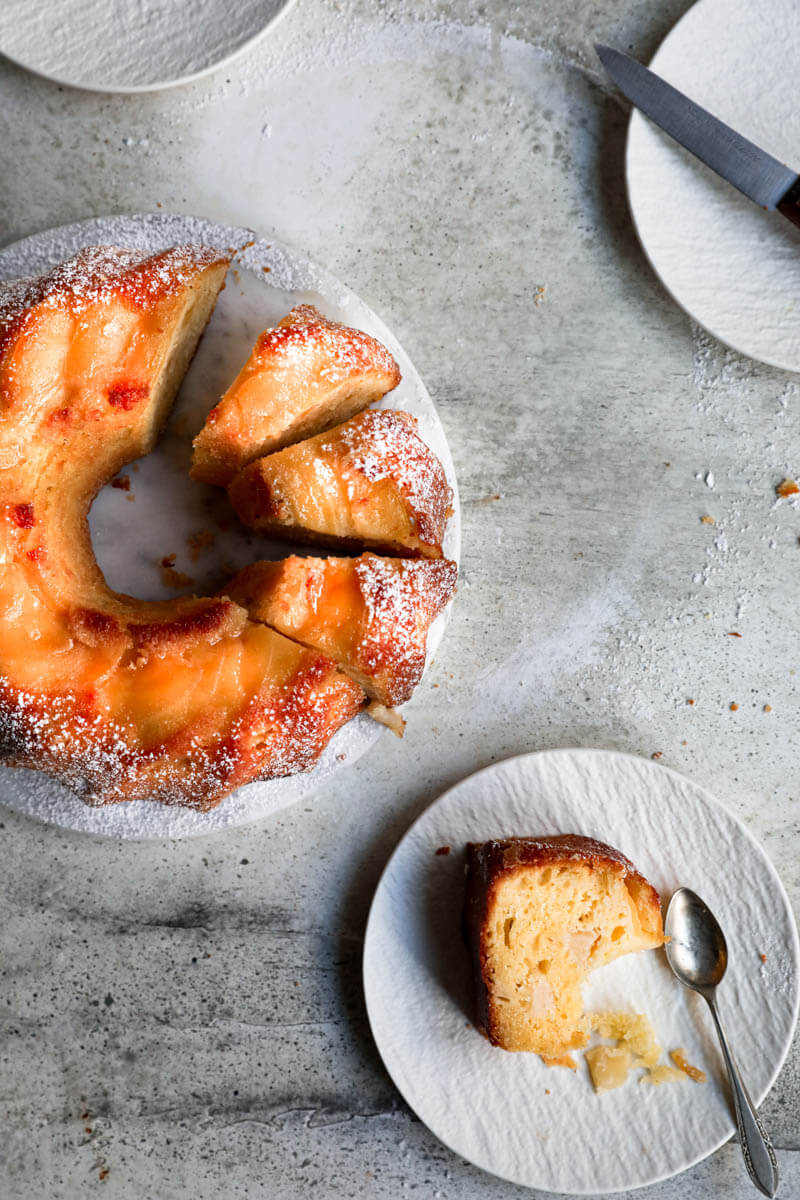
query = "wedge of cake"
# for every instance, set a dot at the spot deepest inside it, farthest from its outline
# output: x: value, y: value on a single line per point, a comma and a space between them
x: 540, y: 914
x: 370, y: 483
x: 370, y: 615
x: 303, y: 376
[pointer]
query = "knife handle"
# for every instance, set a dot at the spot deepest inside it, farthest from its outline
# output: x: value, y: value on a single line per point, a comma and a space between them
x: 789, y: 204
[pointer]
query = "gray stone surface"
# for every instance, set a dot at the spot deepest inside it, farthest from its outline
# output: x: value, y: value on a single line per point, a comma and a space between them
x: 185, y: 1020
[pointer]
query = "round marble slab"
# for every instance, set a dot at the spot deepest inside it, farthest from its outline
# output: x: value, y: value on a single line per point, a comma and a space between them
x: 131, y: 45
x: 734, y: 267
x: 508, y: 1113
x: 165, y: 513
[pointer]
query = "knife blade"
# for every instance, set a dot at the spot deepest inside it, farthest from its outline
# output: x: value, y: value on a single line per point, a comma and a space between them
x: 764, y: 179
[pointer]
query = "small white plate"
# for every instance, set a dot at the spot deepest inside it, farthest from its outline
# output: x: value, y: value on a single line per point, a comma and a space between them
x: 508, y: 1113
x: 131, y: 45
x: 732, y: 266
x: 266, y: 279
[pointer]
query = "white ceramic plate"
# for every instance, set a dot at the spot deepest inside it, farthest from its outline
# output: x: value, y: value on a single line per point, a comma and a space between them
x: 131, y: 45
x: 733, y: 267
x: 130, y: 537
x: 492, y: 1107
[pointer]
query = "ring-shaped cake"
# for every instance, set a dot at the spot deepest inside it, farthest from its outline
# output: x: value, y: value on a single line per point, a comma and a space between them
x: 178, y: 701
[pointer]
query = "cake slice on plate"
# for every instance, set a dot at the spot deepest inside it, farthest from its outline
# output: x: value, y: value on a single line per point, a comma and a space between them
x: 303, y: 376
x: 370, y: 615
x: 369, y: 483
x: 540, y: 914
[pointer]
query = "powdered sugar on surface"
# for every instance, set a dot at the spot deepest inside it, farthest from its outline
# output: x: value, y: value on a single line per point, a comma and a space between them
x: 253, y: 298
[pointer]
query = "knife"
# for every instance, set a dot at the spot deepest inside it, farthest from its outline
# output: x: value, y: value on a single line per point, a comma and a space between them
x: 768, y: 182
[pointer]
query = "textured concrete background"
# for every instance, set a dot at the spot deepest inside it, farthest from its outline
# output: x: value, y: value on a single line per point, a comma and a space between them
x: 185, y: 1020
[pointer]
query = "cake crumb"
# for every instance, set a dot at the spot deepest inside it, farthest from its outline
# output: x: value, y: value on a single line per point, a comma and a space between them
x: 172, y: 578
x: 608, y: 1067
x: 198, y: 542
x: 632, y: 1030
x: 787, y: 488
x: 707, y: 519
x: 657, y: 754
x: 690, y: 700
x: 389, y: 717
x: 734, y: 707
x: 443, y: 850
x: 662, y: 1074
x: 562, y: 1060
x: 678, y: 1056
x: 767, y: 708
x: 763, y: 957
x: 123, y: 482
x: 733, y: 633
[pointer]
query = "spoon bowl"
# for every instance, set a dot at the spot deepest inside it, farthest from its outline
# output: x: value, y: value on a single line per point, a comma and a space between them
x: 696, y: 950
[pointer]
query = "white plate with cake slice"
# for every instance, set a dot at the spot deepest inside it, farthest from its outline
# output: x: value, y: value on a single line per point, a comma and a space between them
x: 161, y: 516
x: 545, y: 1127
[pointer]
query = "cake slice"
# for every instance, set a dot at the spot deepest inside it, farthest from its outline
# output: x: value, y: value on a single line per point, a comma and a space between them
x: 369, y: 483
x: 540, y: 914
x: 303, y: 376
x: 370, y: 615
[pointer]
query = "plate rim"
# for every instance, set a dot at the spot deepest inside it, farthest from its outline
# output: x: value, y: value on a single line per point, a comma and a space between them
x: 244, y: 239
x: 636, y: 122
x: 160, y: 85
x: 708, y: 797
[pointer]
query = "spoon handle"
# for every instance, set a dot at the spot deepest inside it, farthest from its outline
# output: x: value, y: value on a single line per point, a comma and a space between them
x: 759, y: 1156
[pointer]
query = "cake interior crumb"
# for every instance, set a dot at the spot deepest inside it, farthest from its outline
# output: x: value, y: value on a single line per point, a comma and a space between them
x: 662, y: 1073
x: 634, y: 1046
x: 560, y: 1060
x: 678, y: 1056
x: 608, y: 1066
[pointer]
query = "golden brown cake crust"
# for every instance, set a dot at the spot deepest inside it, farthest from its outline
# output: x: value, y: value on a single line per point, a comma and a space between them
x: 370, y: 482
x: 490, y: 862
x: 179, y: 701
x: 98, y: 273
x: 371, y: 615
x: 303, y: 376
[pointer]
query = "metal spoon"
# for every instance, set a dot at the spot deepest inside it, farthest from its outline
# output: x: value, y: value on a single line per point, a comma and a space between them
x: 698, y: 955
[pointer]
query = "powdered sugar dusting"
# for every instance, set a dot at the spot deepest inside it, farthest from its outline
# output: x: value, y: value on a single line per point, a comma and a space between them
x: 402, y: 597
x: 346, y: 351
x: 276, y: 729
x: 99, y: 274
x: 290, y: 280
x: 385, y: 445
